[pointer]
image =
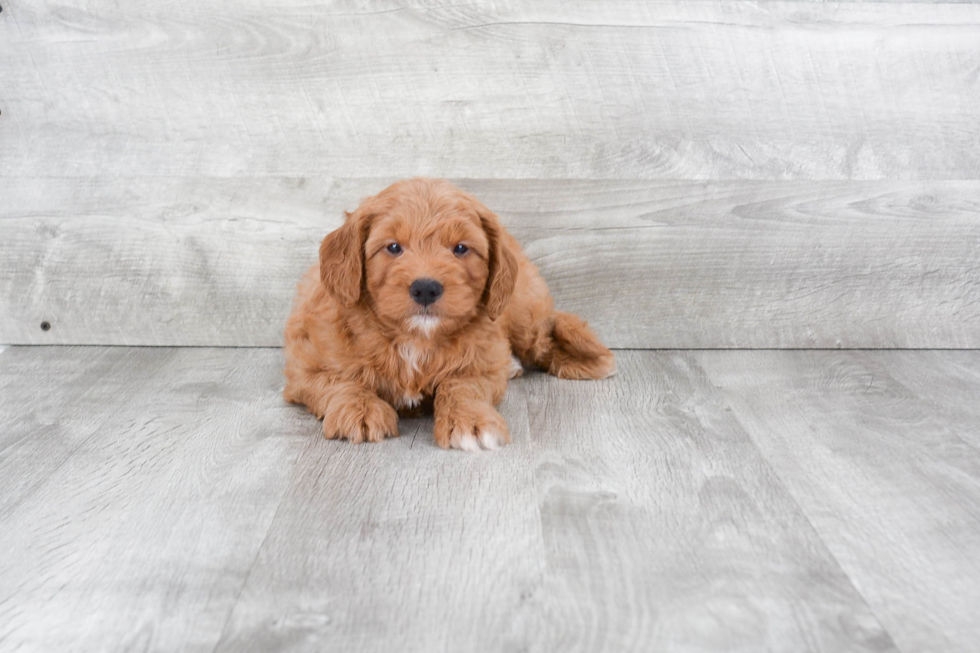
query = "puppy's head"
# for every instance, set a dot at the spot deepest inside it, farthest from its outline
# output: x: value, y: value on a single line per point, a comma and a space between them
x: 422, y: 255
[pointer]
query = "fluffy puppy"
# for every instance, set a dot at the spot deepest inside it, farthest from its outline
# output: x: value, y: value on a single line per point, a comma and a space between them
x: 422, y: 296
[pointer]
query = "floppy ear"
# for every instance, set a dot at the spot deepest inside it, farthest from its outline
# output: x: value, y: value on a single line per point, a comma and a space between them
x: 502, y: 263
x: 342, y: 258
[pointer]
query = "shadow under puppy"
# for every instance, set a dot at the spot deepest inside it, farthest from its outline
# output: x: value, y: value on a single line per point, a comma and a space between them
x: 422, y: 295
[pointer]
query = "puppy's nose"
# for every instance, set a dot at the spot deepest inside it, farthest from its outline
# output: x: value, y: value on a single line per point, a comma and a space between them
x: 425, y: 291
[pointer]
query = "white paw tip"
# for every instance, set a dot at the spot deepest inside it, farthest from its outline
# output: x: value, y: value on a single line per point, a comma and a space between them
x: 410, y: 401
x: 464, y: 441
x: 516, y: 369
x: 490, y: 440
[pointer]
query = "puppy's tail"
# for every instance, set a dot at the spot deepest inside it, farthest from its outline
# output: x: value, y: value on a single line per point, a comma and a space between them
x: 568, y: 349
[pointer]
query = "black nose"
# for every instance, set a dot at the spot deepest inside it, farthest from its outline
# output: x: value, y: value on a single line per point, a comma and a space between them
x: 425, y: 291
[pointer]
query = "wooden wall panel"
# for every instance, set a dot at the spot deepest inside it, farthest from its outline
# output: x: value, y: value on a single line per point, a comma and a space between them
x: 672, y: 264
x: 510, y: 89
x: 702, y: 174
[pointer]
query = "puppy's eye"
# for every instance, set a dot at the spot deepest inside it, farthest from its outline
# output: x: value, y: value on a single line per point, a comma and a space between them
x: 394, y: 248
x: 460, y: 249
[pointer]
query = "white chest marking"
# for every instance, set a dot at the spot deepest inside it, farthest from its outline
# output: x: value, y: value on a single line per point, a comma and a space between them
x: 424, y: 324
x: 412, y: 355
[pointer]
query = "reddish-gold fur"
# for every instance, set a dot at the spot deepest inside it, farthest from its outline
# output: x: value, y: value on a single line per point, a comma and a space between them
x: 356, y: 348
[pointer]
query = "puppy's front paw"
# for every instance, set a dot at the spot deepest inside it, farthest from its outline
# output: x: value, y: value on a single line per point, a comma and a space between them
x: 471, y: 426
x: 366, y: 419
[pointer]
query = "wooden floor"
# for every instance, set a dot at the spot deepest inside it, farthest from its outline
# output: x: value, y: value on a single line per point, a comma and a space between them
x: 166, y: 499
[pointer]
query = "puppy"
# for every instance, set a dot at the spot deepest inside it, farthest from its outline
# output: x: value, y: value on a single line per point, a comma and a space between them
x: 422, y: 296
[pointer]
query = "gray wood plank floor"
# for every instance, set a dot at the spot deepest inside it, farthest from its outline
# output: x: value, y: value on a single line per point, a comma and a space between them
x: 166, y: 499
x: 880, y: 451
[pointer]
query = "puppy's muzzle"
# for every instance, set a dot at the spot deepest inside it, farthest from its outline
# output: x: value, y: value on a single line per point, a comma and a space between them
x: 425, y: 291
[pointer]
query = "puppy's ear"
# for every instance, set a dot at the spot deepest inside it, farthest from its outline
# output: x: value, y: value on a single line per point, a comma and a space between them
x: 342, y: 258
x: 502, y: 263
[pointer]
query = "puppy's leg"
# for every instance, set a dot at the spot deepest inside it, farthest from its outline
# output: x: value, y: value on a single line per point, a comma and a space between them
x: 575, y: 351
x: 349, y: 411
x: 465, y: 416
x: 558, y: 342
x: 359, y: 415
x: 562, y: 344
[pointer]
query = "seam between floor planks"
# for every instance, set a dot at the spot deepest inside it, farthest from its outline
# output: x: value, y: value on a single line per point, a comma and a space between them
x: 723, y: 400
x: 876, y: 491
x: 200, y: 584
x: 800, y: 509
x: 716, y: 395
x: 710, y: 447
x: 258, y: 549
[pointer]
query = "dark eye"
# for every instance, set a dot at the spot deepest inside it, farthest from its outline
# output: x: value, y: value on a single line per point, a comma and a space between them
x: 394, y: 248
x: 460, y: 249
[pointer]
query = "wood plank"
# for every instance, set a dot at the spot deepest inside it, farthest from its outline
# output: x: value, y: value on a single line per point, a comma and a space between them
x: 398, y: 546
x: 669, y: 264
x: 194, y: 511
x: 446, y: 552
x: 510, y: 89
x: 665, y: 529
x: 168, y: 468
x: 881, y: 450
x: 42, y: 396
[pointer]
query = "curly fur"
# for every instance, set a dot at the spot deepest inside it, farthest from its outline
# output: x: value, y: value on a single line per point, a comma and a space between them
x: 358, y: 349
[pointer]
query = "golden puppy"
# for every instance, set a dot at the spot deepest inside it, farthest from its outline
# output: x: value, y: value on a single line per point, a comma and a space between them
x: 421, y: 295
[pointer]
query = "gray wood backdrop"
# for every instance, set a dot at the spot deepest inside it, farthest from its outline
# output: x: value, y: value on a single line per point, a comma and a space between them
x: 697, y: 174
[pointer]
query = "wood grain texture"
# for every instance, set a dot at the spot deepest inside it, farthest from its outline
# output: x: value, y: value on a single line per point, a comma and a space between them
x: 882, y: 452
x: 40, y: 399
x: 406, y: 547
x: 812, y: 501
x: 135, y: 489
x: 402, y: 546
x: 665, y: 529
x: 509, y: 89
x: 669, y: 264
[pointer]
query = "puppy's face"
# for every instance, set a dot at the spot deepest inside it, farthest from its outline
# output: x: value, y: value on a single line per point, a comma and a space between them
x: 431, y: 258
x: 426, y: 266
